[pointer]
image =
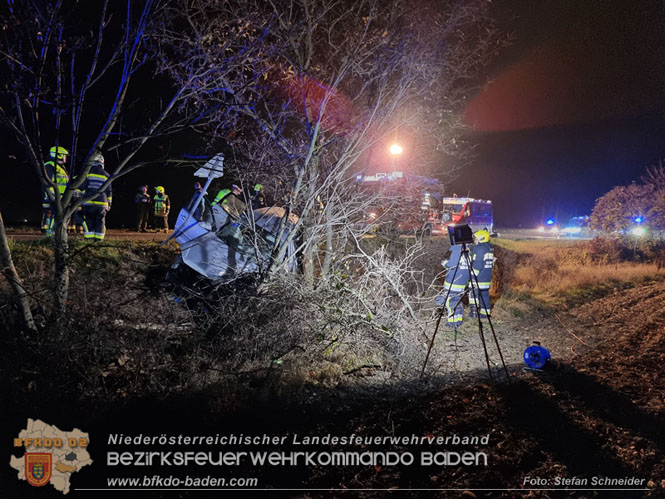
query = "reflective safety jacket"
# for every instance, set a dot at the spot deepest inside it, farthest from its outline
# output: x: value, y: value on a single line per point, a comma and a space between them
x: 162, y: 205
x: 259, y: 200
x: 482, y: 263
x: 58, y: 176
x: 221, y: 195
x: 456, y: 280
x: 93, y: 182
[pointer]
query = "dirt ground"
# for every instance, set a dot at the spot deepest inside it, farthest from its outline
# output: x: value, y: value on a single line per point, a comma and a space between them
x: 598, y: 412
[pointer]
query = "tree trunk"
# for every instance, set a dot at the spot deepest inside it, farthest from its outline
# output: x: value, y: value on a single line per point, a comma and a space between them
x: 12, y: 276
x: 61, y: 277
x: 327, y: 260
x: 309, y: 253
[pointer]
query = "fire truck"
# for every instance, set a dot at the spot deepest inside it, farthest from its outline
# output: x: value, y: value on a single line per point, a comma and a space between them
x: 477, y: 213
x: 419, y: 205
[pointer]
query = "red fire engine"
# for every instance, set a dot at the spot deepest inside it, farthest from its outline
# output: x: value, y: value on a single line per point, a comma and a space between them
x: 419, y: 205
x: 477, y: 213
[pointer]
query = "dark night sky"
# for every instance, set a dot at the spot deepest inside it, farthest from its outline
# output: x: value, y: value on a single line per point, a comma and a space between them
x: 575, y: 106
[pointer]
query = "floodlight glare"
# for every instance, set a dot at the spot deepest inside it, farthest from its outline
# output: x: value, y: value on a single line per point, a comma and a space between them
x: 396, y: 149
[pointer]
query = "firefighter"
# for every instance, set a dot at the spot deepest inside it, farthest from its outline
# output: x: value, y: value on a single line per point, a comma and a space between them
x: 482, y: 262
x: 220, y: 196
x: 162, y: 207
x: 234, y: 204
x: 259, y: 198
x: 142, y: 201
x: 95, y: 210
x: 56, y: 173
x: 457, y: 278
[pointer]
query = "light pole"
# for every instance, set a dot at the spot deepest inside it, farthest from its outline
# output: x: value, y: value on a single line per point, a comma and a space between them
x: 395, y: 150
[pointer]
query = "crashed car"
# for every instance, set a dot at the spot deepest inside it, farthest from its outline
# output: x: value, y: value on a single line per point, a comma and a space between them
x: 223, y: 244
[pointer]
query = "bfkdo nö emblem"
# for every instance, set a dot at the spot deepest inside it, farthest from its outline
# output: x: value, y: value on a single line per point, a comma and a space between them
x: 38, y: 468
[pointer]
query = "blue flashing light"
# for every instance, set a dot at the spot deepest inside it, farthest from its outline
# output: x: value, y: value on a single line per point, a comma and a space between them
x: 638, y: 220
x: 550, y: 221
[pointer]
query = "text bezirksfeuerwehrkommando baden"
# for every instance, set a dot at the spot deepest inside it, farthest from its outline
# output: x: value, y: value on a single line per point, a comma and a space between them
x: 375, y: 450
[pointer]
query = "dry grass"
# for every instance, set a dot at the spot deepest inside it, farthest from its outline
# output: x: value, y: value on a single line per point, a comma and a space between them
x: 565, y: 277
x: 556, y: 272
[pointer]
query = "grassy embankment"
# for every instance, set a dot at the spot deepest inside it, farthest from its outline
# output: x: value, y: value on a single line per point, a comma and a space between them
x: 555, y: 273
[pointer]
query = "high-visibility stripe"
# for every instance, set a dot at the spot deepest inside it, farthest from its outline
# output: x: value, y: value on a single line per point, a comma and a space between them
x: 101, y: 177
x: 456, y: 287
x: 96, y: 203
x: 488, y: 284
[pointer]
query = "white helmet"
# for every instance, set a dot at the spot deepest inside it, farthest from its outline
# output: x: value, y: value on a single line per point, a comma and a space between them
x: 97, y: 157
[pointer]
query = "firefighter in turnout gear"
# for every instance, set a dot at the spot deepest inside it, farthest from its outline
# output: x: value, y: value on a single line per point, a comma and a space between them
x: 56, y: 173
x: 457, y: 278
x: 95, y: 210
x: 162, y: 207
x: 482, y: 263
x: 259, y: 197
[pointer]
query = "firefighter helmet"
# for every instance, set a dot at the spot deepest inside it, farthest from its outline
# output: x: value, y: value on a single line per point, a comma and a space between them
x: 159, y: 189
x: 97, y: 157
x: 482, y: 236
x: 58, y: 152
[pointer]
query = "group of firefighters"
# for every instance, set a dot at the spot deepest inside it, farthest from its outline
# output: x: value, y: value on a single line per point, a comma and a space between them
x: 461, y: 279
x: 90, y: 216
x: 159, y: 205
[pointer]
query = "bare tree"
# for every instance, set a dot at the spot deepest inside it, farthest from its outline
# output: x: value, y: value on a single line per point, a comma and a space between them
x: 81, y: 76
x: 10, y: 273
x: 323, y: 83
x: 655, y: 175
